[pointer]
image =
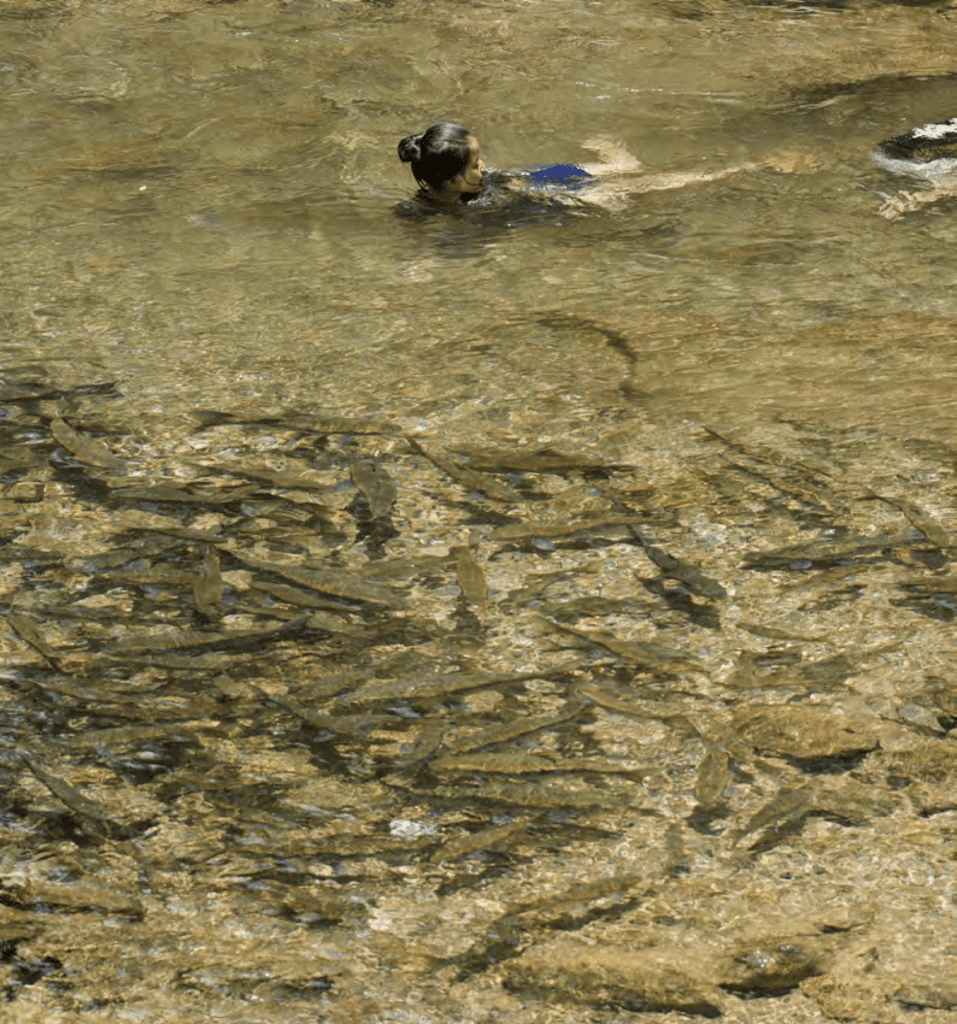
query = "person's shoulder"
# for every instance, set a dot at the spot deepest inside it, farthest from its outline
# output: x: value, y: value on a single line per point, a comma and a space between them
x: 420, y: 207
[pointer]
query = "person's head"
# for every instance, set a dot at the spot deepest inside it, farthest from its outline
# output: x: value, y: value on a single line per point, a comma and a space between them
x: 446, y: 160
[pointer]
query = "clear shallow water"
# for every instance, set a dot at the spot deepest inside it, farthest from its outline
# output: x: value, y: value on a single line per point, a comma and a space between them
x: 241, y: 791
x: 199, y: 197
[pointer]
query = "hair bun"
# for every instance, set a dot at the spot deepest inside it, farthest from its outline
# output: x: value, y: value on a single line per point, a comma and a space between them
x: 410, y: 148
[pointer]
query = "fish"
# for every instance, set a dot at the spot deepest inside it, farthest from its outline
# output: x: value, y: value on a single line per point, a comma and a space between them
x: 544, y: 460
x: 675, y: 569
x: 86, y: 449
x: 471, y: 576
x: 507, y: 763
x: 72, y: 797
x: 312, y: 423
x: 317, y: 719
x: 167, y: 732
x: 822, y: 554
x: 504, y: 731
x: 773, y: 633
x: 920, y: 520
x: 197, y: 640
x: 560, y: 528
x: 426, y: 743
x: 188, y: 495
x: 472, y: 842
x: 376, y: 486
x: 184, y: 533
x: 431, y: 686
x: 656, y: 710
x: 599, y: 888
x: 293, y: 595
x: 29, y: 632
x: 642, y: 652
x: 284, y: 479
x: 529, y: 794
x: 208, y: 588
x: 676, y: 856
x: 468, y: 477
x: 792, y: 803
x: 712, y: 777
x: 327, y: 581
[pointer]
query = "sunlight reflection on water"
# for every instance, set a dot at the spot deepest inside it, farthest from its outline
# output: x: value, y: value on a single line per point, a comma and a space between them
x: 251, y: 549
x: 230, y: 179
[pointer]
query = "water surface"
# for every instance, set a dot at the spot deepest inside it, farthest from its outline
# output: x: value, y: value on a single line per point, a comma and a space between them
x: 301, y: 496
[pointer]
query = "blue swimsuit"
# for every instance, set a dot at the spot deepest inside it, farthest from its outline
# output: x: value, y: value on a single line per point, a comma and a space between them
x: 570, y: 177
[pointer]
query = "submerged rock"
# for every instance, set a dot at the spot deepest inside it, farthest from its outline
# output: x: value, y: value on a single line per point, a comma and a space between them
x: 611, y: 976
x: 803, y: 732
x: 937, y: 994
x: 852, y: 998
x: 772, y: 965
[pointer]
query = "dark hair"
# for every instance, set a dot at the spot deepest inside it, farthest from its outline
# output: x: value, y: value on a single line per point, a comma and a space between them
x: 437, y: 154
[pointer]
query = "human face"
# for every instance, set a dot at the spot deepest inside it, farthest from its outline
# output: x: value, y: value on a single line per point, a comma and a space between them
x: 470, y: 179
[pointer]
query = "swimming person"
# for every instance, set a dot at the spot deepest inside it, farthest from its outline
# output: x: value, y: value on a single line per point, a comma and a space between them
x: 447, y: 163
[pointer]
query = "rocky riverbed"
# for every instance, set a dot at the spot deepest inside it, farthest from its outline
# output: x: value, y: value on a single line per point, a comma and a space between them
x: 312, y: 715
